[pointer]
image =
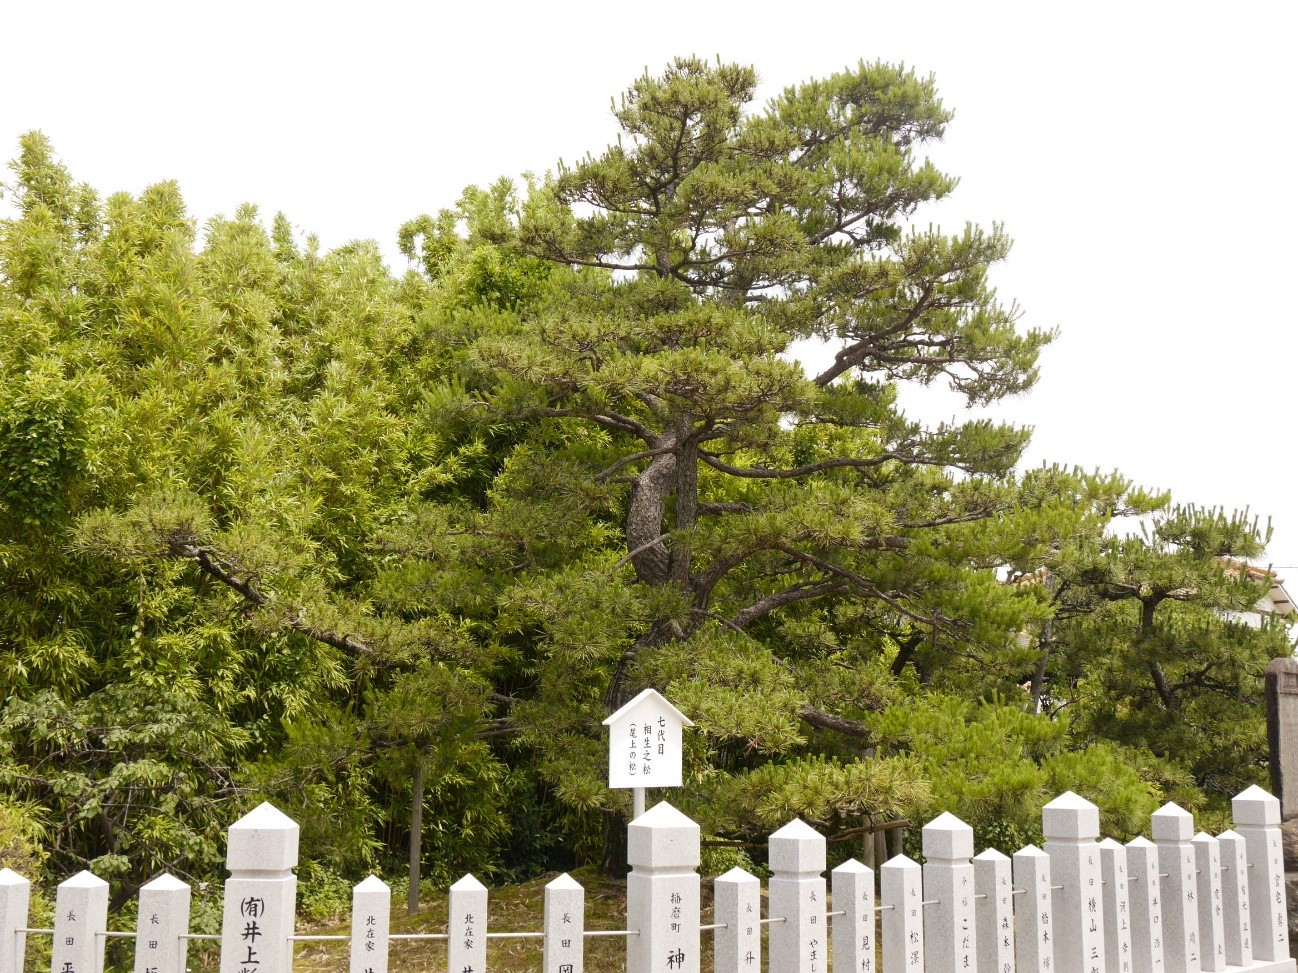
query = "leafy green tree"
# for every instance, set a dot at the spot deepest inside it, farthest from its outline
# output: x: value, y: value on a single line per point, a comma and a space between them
x: 687, y: 507
x: 1156, y: 642
x: 202, y: 441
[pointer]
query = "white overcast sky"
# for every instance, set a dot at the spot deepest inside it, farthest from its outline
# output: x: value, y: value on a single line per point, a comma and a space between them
x: 1140, y: 154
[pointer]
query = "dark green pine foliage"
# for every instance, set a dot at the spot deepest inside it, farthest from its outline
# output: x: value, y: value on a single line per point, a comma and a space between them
x: 1158, y: 643
x: 785, y: 555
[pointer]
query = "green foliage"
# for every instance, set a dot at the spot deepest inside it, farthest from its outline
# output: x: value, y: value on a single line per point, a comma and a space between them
x: 277, y: 524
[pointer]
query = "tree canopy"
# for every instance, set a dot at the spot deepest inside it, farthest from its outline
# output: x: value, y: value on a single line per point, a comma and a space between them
x: 279, y: 523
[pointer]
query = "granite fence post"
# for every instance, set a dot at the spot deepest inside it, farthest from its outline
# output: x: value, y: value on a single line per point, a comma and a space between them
x: 1173, y: 826
x: 564, y: 950
x: 1257, y: 819
x: 1071, y: 825
x: 852, y: 885
x: 1281, y: 684
x: 15, y: 898
x: 1234, y: 892
x: 737, y: 908
x: 796, y: 894
x: 161, y: 925
x: 994, y: 908
x: 371, y: 923
x: 1034, y: 945
x: 1117, y: 910
x: 901, y: 888
x: 260, y: 894
x: 80, y: 920
x: 1144, y: 896
x: 663, y: 892
x: 466, y: 926
x: 1212, y: 931
x: 950, y: 934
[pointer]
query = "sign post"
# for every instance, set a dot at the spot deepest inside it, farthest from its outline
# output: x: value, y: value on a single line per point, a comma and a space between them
x: 645, y: 746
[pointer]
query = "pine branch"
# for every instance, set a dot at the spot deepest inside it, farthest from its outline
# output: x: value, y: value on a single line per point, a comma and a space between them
x: 828, y: 721
x: 223, y: 572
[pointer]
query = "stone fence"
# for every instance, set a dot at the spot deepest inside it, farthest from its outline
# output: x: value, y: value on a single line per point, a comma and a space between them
x: 1182, y: 903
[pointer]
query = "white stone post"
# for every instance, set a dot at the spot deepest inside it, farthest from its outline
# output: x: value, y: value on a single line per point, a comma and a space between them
x: 466, y: 926
x: 1173, y: 827
x: 15, y: 896
x: 853, y: 895
x: 796, y: 894
x: 903, y: 916
x: 1071, y: 824
x: 260, y: 894
x: 1144, y: 894
x: 80, y: 920
x: 1257, y: 819
x: 371, y: 922
x: 662, y: 892
x: 994, y: 908
x: 1212, y: 930
x: 1234, y: 888
x: 737, y: 908
x: 161, y: 925
x: 1117, y: 912
x: 1034, y: 944
x: 565, y: 927
x: 950, y: 936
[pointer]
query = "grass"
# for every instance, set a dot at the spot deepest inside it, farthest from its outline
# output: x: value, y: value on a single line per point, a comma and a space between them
x: 514, y: 908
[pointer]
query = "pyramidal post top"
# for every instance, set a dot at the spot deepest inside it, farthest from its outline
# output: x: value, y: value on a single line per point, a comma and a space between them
x: 797, y: 848
x: 1108, y: 844
x: 166, y: 882
x: 84, y: 880
x: 265, y: 817
x: 263, y: 840
x: 649, y: 697
x: 797, y: 830
x: 373, y: 884
x: 947, y: 838
x: 565, y: 883
x: 1171, y: 822
x: 662, y: 837
x: 1071, y: 801
x: 1140, y: 841
x: 1070, y: 817
x: 738, y: 876
x: 663, y: 815
x: 852, y: 867
x: 1254, y: 807
x: 9, y: 877
x: 468, y: 884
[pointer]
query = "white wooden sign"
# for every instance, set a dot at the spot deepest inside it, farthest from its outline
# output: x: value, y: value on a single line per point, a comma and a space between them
x: 645, y: 743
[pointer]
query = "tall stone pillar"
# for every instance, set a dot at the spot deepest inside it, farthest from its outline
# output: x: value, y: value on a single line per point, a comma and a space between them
x: 853, y: 891
x: 901, y: 887
x: 1034, y: 945
x: 162, y: 921
x: 15, y: 897
x: 1173, y: 827
x: 80, y: 919
x: 950, y: 933
x: 1071, y: 824
x: 737, y: 907
x: 1257, y: 819
x: 260, y: 894
x: 796, y: 893
x: 662, y: 892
